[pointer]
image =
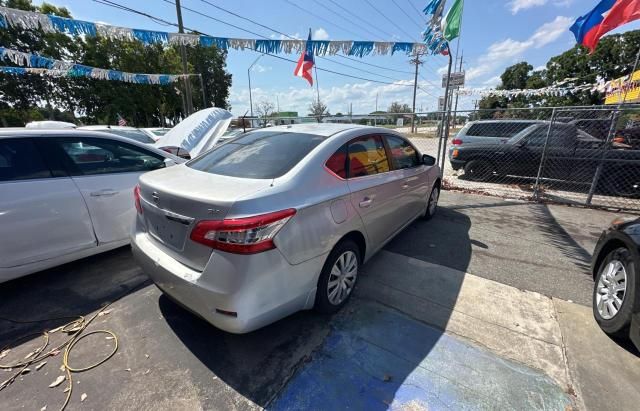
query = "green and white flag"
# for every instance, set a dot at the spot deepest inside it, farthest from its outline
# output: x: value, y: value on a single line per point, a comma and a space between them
x: 453, y: 21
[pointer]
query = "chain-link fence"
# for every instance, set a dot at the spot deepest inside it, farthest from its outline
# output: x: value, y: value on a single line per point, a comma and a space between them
x: 579, y: 155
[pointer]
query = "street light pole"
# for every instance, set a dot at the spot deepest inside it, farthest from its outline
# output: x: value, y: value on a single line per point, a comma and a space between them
x: 249, y: 75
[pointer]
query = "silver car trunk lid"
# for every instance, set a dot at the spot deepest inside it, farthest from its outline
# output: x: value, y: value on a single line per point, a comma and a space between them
x: 175, y: 199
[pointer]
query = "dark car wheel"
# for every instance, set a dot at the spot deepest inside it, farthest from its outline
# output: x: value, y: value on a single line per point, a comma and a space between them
x: 478, y: 170
x: 338, y: 277
x: 432, y: 204
x: 614, y: 292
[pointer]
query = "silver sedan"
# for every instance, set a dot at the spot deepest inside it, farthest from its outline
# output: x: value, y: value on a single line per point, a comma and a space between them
x: 278, y: 220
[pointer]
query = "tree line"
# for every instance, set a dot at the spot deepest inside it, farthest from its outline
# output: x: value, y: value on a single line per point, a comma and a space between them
x: 613, y: 58
x: 30, y: 97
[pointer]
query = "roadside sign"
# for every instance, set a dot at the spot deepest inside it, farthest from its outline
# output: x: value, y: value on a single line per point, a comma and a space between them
x: 440, y: 103
x: 457, y: 80
x: 400, y: 122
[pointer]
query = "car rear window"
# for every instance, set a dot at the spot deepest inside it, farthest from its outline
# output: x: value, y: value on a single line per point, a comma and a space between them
x: 500, y: 129
x: 257, y: 154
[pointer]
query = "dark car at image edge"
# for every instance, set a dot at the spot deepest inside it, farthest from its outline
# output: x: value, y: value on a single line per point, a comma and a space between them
x: 616, y: 293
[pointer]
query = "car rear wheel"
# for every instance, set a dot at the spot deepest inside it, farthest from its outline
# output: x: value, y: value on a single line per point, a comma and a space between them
x: 614, y: 292
x: 478, y: 170
x: 338, y: 277
x: 432, y: 204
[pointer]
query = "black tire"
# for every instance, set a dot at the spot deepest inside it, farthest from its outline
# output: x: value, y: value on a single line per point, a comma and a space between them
x: 618, y: 325
x: 323, y: 304
x: 430, y: 211
x: 478, y: 170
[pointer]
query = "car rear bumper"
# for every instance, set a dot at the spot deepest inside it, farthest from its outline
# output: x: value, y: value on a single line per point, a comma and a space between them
x: 456, y: 164
x: 259, y: 289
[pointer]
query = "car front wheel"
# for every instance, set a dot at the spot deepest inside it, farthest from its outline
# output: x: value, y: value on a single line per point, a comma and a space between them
x: 432, y: 204
x: 614, y: 292
x: 338, y: 277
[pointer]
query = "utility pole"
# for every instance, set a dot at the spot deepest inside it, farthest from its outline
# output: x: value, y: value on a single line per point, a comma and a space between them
x: 185, y: 69
x: 375, y: 117
x: 417, y: 62
x: 455, y: 109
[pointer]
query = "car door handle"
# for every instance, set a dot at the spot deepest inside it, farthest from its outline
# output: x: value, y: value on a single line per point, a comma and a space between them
x: 366, y: 202
x: 103, y: 193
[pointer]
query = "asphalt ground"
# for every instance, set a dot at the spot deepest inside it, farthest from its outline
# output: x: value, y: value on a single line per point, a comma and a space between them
x: 169, y: 359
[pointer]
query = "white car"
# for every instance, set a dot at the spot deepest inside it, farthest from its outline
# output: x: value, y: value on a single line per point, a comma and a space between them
x: 155, y: 132
x: 122, y: 131
x: 67, y: 194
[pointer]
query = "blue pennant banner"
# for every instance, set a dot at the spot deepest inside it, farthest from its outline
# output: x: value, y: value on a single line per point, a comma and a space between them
x: 37, y: 64
x: 54, y: 24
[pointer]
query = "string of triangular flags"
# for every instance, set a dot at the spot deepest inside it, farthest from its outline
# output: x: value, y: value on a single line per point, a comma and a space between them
x: 36, y: 64
x: 558, y: 89
x: 54, y: 24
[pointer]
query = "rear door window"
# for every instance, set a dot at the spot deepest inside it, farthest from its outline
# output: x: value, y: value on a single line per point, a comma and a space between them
x: 94, y: 156
x: 403, y: 154
x: 367, y: 156
x: 21, y: 160
x: 502, y: 129
x: 258, y: 154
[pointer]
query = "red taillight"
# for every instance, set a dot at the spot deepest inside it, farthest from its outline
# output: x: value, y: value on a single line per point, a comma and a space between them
x: 136, y: 196
x: 247, y: 235
x: 456, y: 142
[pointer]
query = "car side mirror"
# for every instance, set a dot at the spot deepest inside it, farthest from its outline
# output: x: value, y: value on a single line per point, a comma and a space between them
x: 428, y: 160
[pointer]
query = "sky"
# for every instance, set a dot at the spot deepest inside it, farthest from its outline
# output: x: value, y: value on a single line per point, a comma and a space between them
x: 495, y: 35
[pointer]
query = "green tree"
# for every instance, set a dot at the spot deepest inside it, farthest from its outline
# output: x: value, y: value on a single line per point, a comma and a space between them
x: 99, y: 101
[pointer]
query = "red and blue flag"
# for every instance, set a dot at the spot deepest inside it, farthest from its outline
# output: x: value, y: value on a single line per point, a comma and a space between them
x: 305, y: 63
x: 606, y: 16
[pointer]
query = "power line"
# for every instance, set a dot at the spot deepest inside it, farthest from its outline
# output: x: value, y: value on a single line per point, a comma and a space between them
x: 418, y: 11
x: 347, y: 20
x: 386, y: 18
x: 355, y: 16
x: 406, y: 14
x: 131, y: 10
x: 320, y: 17
x: 288, y: 36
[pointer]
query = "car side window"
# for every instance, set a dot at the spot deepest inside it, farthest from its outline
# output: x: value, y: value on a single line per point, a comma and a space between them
x: 367, y: 156
x: 403, y: 154
x: 93, y: 156
x: 337, y: 163
x: 21, y: 160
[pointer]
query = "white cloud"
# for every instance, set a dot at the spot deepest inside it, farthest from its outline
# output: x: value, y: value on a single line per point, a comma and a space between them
x: 320, y: 34
x: 362, y: 95
x: 260, y: 68
x: 550, y: 32
x: 492, y: 82
x: 506, y: 51
x: 443, y: 70
x: 517, y: 5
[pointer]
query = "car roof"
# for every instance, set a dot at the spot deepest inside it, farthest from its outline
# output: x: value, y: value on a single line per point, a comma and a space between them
x: 507, y: 120
x: 44, y: 133
x: 106, y: 127
x: 319, y: 129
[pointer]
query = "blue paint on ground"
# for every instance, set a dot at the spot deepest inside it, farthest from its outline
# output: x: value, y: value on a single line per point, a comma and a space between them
x: 377, y: 359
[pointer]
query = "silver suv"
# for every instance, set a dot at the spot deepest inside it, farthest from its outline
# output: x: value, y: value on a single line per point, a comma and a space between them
x: 490, y: 131
x: 279, y: 219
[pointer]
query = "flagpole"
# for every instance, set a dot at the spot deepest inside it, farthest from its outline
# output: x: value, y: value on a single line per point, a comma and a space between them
x: 315, y: 67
